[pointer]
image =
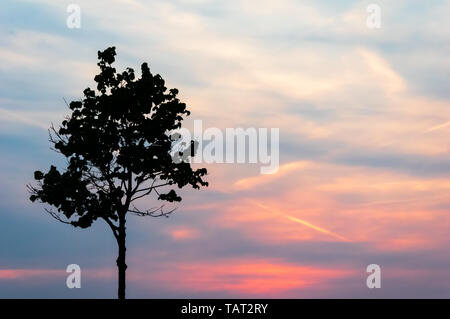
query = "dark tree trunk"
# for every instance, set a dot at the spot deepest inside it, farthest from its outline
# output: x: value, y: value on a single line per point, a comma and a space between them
x: 121, y: 265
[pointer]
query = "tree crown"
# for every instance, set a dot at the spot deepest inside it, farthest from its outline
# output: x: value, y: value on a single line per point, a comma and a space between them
x: 118, y: 146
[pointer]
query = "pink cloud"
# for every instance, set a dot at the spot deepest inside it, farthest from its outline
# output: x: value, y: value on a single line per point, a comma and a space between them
x: 239, y: 277
x: 11, y: 274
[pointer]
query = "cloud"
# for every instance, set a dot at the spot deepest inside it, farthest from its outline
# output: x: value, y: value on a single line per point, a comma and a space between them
x: 235, y: 277
x: 36, y: 119
x: 13, y: 274
x: 183, y: 233
x: 438, y: 127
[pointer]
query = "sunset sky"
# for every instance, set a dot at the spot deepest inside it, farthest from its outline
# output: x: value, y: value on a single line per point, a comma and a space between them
x: 364, y: 119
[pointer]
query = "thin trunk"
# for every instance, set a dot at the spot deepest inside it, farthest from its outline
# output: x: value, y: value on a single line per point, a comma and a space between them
x: 121, y: 265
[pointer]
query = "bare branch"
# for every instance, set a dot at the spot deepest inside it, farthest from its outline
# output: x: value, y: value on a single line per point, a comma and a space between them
x: 113, y: 227
x: 153, y: 212
x: 149, y: 190
x: 56, y: 216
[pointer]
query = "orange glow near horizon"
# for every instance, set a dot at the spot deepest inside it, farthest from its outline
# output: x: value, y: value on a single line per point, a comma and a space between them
x: 243, y: 277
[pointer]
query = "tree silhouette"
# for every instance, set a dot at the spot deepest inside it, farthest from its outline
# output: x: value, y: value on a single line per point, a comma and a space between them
x: 118, y: 146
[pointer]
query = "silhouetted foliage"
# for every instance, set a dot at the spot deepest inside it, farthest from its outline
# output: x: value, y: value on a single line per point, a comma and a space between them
x: 118, y: 147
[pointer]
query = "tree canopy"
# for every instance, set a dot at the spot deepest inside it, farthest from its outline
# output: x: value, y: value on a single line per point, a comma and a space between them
x: 118, y: 147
